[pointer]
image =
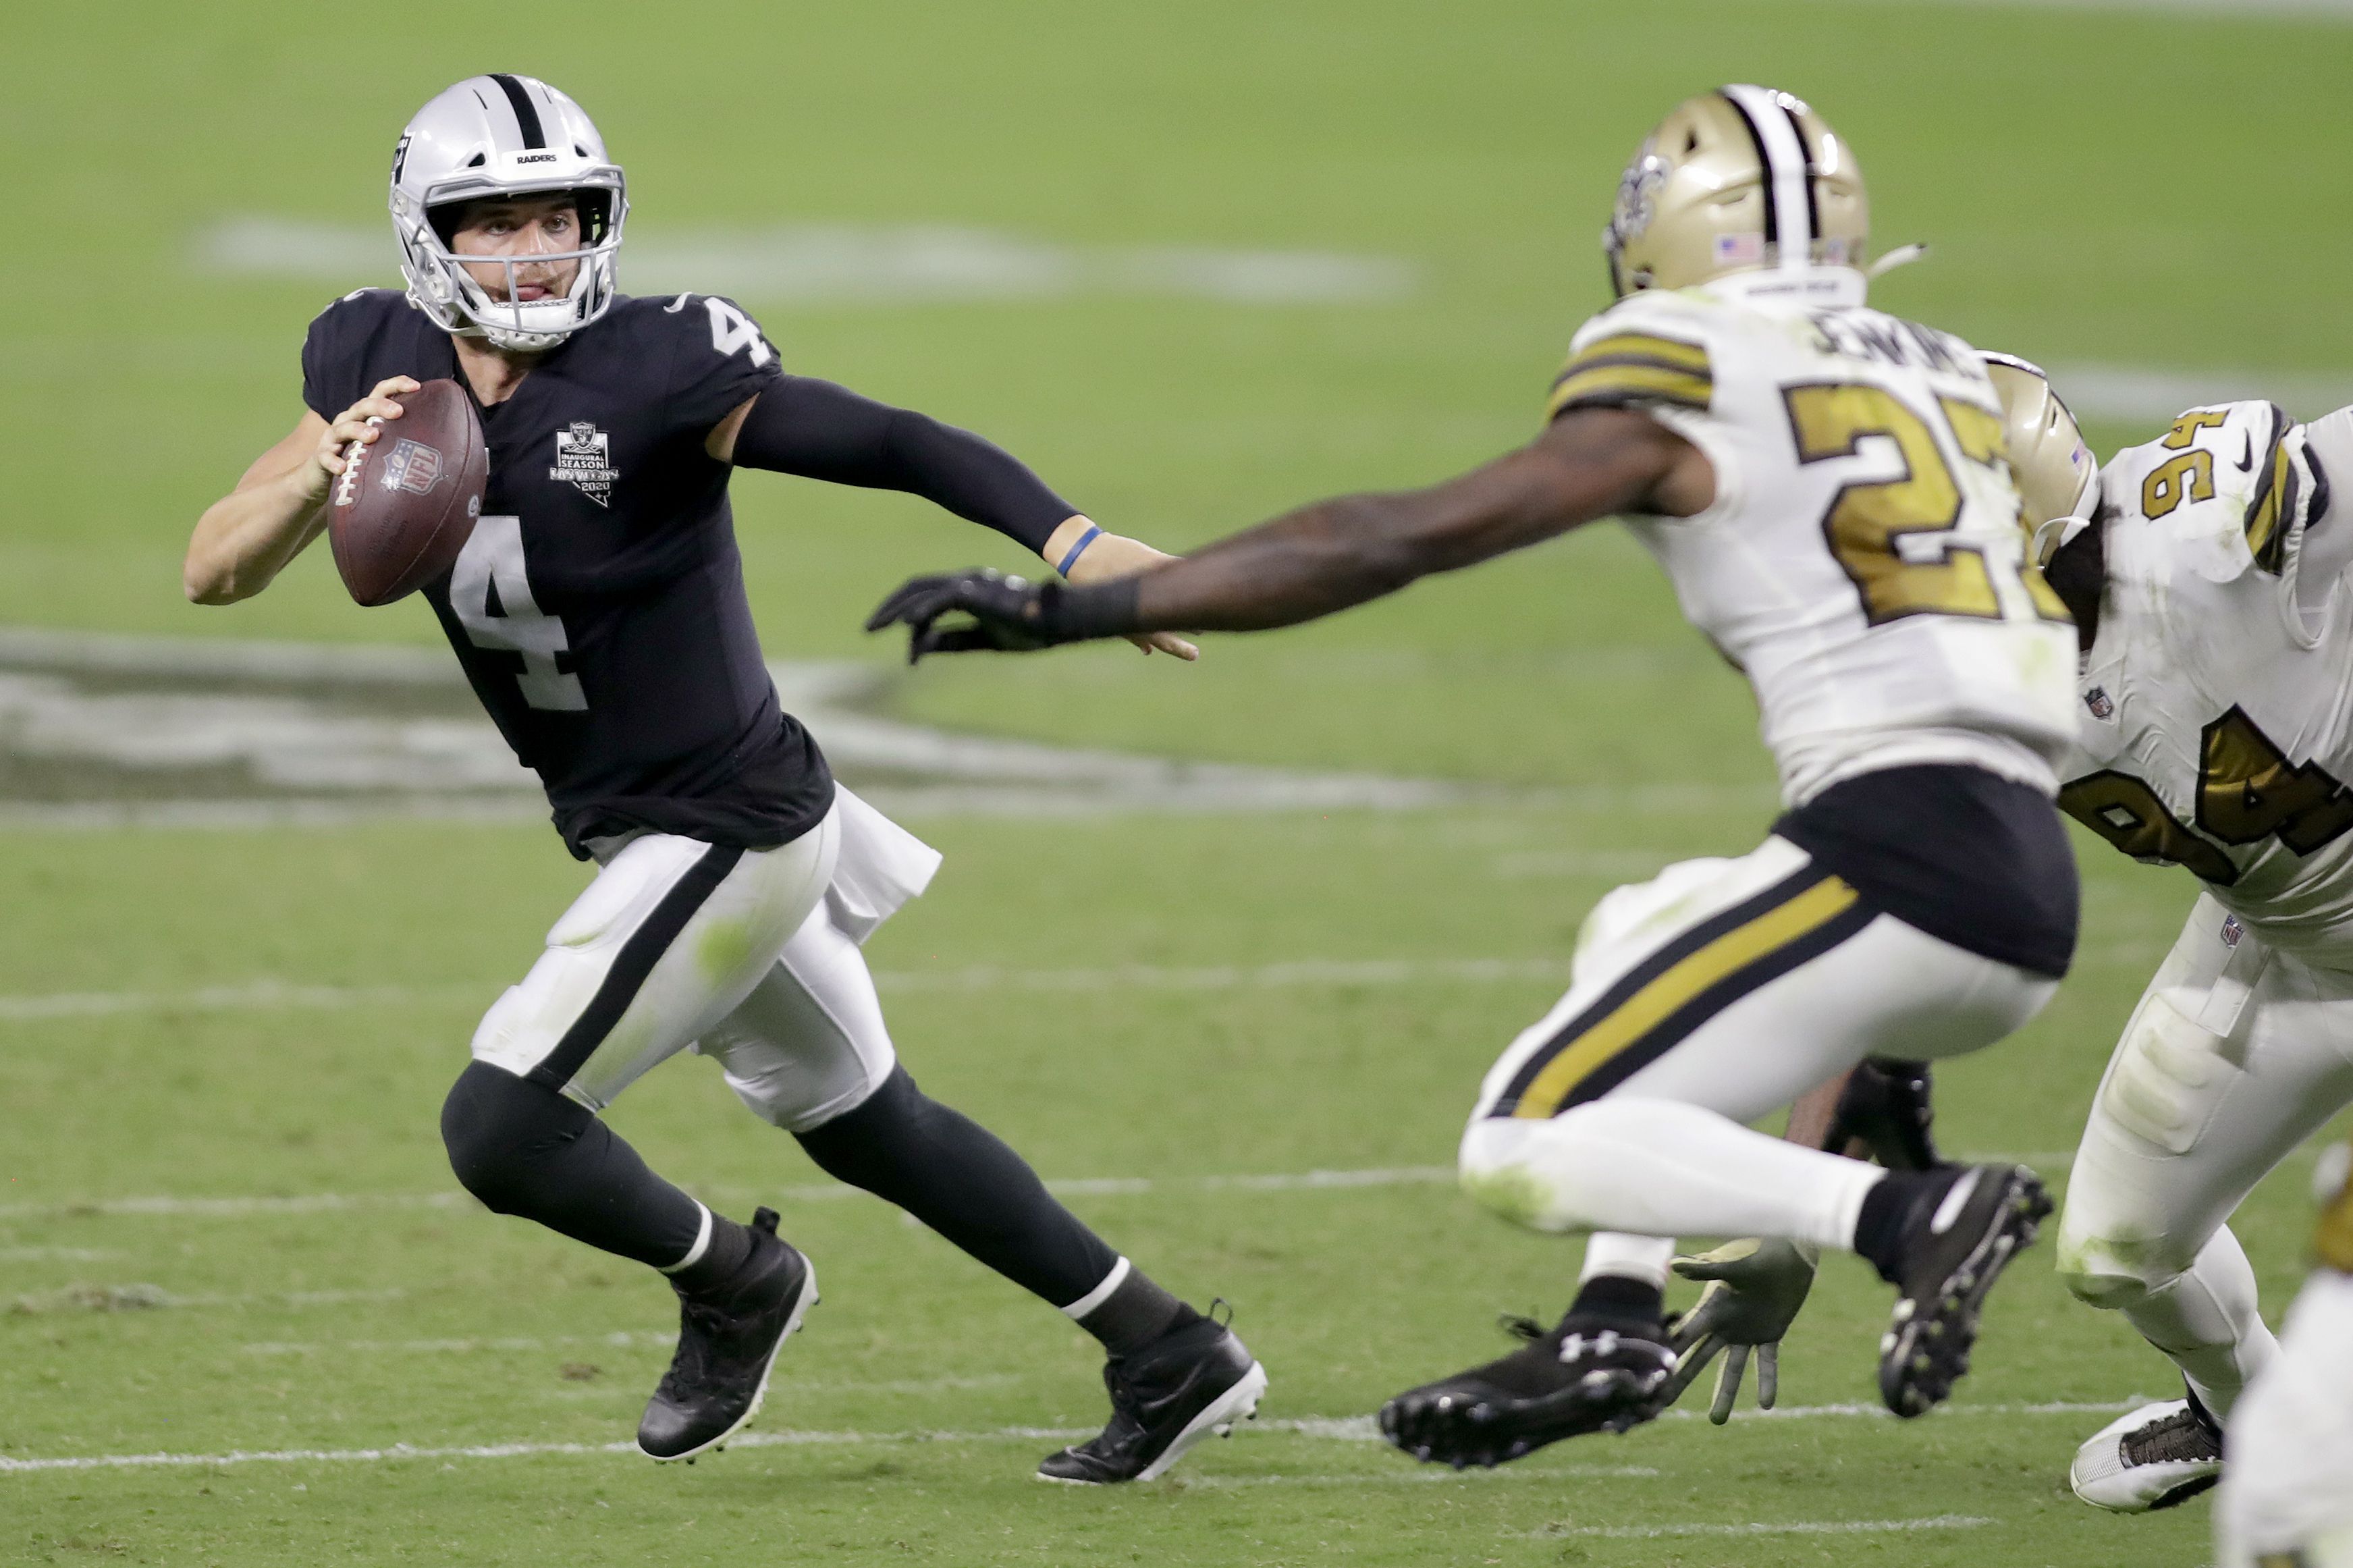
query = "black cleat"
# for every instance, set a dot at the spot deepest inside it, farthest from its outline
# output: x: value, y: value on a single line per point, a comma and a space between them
x: 1165, y: 1397
x: 1955, y: 1240
x: 727, y: 1342
x: 1595, y: 1373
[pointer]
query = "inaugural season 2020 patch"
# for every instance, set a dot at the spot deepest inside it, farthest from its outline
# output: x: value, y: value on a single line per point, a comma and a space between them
x: 583, y: 457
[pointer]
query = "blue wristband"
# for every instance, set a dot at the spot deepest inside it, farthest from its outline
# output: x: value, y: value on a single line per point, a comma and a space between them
x: 1070, y: 559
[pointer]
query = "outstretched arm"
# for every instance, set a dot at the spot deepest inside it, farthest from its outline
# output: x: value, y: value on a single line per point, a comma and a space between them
x: 1590, y: 463
x: 819, y: 430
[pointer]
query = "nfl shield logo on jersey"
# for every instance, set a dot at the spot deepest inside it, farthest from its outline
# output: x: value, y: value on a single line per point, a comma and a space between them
x: 2098, y: 700
x: 583, y: 457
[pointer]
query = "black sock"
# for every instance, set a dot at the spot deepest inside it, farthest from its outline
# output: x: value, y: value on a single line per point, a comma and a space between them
x: 1615, y: 1296
x: 523, y: 1149
x: 730, y: 1244
x: 1887, y: 1209
x: 1138, y: 1313
x: 960, y: 1179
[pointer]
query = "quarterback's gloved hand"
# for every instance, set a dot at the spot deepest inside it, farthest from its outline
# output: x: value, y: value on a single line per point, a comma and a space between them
x: 1009, y: 615
x: 1755, y: 1289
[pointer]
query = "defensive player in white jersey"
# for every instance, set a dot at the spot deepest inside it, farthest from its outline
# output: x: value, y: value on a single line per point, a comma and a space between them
x: 1827, y: 487
x: 2205, y: 575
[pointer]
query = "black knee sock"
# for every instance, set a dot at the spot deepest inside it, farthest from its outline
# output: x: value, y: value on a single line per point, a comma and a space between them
x: 523, y: 1149
x: 1615, y: 1296
x: 960, y: 1179
x: 1889, y: 1208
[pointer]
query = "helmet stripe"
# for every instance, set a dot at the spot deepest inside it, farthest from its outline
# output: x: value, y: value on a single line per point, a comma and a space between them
x: 1764, y: 162
x: 1789, y: 218
x: 526, y: 113
x: 1806, y: 148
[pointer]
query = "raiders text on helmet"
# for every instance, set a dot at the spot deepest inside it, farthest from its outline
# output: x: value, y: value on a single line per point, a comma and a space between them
x: 1734, y: 181
x: 504, y: 135
x: 2057, y: 478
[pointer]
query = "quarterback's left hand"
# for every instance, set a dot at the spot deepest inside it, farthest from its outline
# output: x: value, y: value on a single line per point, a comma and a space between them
x: 1755, y: 1289
x: 1009, y: 615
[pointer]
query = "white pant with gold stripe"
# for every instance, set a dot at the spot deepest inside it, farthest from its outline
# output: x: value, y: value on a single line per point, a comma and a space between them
x: 1717, y: 992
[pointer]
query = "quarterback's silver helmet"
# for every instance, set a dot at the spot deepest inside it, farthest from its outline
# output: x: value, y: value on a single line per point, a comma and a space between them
x: 503, y: 135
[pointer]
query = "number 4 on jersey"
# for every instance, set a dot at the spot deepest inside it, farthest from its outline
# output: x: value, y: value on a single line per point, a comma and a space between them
x: 732, y: 329
x: 490, y: 593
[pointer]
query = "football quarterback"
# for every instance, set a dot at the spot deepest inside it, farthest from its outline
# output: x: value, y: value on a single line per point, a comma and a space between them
x: 2205, y: 575
x: 1827, y: 487
x: 598, y: 610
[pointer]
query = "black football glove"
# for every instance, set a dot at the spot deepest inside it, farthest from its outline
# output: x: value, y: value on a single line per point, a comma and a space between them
x: 1885, y: 1107
x: 1009, y: 614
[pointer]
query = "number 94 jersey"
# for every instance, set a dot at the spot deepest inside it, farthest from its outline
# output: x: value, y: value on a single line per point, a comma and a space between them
x: 1863, y: 562
x: 2215, y: 726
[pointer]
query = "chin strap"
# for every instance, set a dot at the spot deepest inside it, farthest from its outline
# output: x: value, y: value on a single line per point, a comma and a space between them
x: 1902, y: 256
x: 2054, y: 536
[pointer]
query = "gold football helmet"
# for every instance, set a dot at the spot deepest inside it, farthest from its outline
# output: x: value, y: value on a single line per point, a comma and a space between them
x: 2057, y: 477
x: 1733, y: 181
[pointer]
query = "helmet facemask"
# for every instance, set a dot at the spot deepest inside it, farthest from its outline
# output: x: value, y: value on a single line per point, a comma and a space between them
x: 504, y: 138
x: 440, y: 282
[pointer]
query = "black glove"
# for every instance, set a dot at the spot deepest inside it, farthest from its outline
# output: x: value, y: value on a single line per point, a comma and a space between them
x: 1009, y: 615
x: 1885, y: 1106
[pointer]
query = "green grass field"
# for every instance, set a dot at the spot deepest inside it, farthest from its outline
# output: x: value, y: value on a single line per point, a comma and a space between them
x: 2111, y: 187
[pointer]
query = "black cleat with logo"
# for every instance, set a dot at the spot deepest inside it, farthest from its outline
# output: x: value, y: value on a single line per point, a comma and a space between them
x: 1167, y: 1396
x: 1954, y: 1243
x: 1594, y: 1373
x: 727, y: 1342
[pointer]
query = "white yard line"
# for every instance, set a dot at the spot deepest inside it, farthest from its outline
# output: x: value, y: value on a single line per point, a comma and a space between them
x: 1799, y: 1527
x: 160, y: 1206
x: 1429, y: 1476
x: 1082, y: 1186
x: 277, y: 995
x: 1351, y: 1428
x: 866, y: 264
x: 2151, y: 392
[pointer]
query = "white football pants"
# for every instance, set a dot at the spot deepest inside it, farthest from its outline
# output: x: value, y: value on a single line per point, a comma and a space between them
x: 750, y: 957
x: 2287, y: 1488
x: 2237, y: 1053
x: 1700, y: 1001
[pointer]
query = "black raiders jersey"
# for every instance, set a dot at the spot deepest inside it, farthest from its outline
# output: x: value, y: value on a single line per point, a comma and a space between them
x: 599, y: 608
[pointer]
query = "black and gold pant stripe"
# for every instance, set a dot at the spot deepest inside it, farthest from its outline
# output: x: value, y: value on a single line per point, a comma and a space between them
x: 1627, y: 367
x: 1687, y: 981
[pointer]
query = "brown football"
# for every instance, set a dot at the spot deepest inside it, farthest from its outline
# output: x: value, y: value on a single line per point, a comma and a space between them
x: 405, y: 505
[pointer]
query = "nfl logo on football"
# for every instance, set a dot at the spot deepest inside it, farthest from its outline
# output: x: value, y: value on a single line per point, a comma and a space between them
x: 411, y: 466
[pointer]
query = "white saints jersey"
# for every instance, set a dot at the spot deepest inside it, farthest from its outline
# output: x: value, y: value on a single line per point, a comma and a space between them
x: 1863, y: 562
x: 2217, y: 715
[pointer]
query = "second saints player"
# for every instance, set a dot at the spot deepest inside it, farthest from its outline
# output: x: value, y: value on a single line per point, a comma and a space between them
x: 1827, y: 487
x: 2207, y: 574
